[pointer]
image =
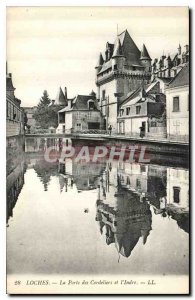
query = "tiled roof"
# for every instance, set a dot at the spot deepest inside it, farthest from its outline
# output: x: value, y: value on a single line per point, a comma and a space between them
x: 80, y: 102
x: 107, y: 65
x: 181, y: 79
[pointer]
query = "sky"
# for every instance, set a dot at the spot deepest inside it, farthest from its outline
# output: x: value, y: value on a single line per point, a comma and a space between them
x: 49, y: 47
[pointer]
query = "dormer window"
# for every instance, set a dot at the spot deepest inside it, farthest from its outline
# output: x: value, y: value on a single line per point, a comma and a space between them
x: 127, y: 111
x: 91, y: 105
x: 121, y: 112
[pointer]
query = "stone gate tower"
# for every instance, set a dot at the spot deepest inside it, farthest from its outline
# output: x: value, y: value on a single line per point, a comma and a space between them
x: 122, y: 69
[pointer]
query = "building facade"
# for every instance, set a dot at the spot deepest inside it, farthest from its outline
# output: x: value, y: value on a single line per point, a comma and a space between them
x: 14, y: 112
x: 121, y: 70
x: 177, y: 107
x: 169, y: 66
x: 81, y: 114
x: 143, y: 113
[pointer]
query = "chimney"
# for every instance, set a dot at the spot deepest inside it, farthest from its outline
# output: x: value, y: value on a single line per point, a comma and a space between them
x: 187, y: 48
x: 65, y: 93
x: 179, y: 49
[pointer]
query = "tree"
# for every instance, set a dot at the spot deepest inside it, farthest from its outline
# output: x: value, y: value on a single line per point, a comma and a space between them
x: 44, y: 101
x: 45, y: 115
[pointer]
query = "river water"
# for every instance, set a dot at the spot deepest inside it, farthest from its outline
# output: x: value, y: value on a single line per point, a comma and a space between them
x: 97, y: 218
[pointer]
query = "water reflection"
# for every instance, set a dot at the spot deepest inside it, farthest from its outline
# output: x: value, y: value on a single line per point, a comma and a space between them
x: 15, y: 182
x: 116, y: 210
x: 127, y: 194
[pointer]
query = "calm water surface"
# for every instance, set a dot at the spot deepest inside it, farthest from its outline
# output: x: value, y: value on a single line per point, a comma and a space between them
x: 97, y: 218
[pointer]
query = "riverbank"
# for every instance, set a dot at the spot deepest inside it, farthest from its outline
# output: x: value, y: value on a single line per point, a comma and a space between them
x: 165, y: 146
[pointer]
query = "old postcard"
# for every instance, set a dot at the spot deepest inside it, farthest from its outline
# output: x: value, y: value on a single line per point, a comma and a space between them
x: 97, y: 114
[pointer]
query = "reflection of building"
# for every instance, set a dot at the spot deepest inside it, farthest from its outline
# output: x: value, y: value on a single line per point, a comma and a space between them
x: 143, y: 112
x: 165, y: 189
x: 125, y: 221
x: 85, y: 175
x: 14, y: 184
x: 177, y: 99
x: 178, y: 188
x: 120, y: 71
x: 80, y: 113
x: 178, y: 196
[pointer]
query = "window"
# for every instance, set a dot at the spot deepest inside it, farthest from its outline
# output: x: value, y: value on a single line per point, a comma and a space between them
x: 176, y: 194
x: 127, y: 111
x: 138, y: 109
x: 103, y: 95
x: 89, y: 115
x: 134, y: 68
x: 153, y: 124
x: 138, y: 183
x: 121, y: 112
x: 175, y: 104
x: 91, y: 105
x: 128, y: 180
x: 143, y: 168
x: 115, y: 67
x: 78, y: 125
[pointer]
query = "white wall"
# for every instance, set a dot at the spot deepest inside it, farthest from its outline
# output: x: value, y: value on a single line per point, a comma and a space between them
x: 178, y: 122
x: 132, y: 125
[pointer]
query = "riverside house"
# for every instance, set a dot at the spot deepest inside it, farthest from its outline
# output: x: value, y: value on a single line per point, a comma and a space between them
x: 81, y: 114
x: 177, y: 99
x: 142, y: 113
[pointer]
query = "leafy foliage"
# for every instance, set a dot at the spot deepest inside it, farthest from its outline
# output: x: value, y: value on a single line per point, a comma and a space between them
x: 46, y: 116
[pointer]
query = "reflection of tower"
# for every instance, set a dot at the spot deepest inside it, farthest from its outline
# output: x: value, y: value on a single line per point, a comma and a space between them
x: 125, y: 222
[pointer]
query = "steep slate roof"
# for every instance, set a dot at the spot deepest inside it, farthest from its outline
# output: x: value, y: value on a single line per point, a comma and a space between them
x: 60, y: 98
x: 124, y: 45
x: 181, y: 79
x: 80, y: 102
x: 107, y: 65
x: 130, y: 50
x: 144, y: 53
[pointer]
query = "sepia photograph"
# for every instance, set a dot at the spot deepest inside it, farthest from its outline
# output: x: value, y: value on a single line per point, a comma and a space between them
x: 97, y: 150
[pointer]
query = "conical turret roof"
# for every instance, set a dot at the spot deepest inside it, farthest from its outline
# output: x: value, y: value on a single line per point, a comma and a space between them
x: 60, y: 98
x: 144, y: 53
x: 100, y: 60
x: 118, y: 50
